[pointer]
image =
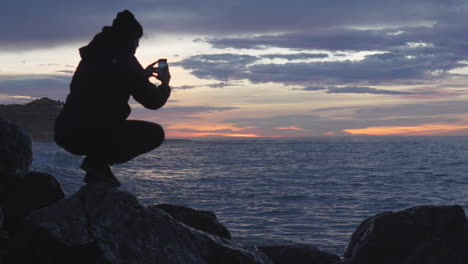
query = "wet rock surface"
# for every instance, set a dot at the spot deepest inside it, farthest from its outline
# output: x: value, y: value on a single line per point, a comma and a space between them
x: 298, y: 254
x: 15, y: 152
x: 104, y: 224
x: 202, y: 220
x: 36, y: 190
x: 424, y: 234
x: 108, y: 225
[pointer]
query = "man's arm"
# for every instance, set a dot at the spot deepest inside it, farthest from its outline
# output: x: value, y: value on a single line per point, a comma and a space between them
x: 146, y: 93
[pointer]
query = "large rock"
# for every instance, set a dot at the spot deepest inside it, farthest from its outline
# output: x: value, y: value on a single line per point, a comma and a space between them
x: 425, y: 234
x: 202, y: 220
x: 298, y: 254
x: 15, y: 153
x: 4, y: 241
x: 102, y: 224
x: 36, y: 190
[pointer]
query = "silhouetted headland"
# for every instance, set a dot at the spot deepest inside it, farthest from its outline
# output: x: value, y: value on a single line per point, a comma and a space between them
x: 36, y: 117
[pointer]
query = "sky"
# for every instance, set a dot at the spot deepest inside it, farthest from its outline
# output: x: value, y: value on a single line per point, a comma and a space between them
x: 263, y: 68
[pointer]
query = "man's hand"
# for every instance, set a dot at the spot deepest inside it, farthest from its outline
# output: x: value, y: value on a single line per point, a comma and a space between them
x: 161, y: 74
x: 164, y: 75
x: 151, y: 70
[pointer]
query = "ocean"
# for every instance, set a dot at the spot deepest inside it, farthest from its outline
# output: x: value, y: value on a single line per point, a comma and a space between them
x: 281, y: 191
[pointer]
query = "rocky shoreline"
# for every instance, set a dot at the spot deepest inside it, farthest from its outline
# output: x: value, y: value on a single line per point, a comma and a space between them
x: 104, y: 224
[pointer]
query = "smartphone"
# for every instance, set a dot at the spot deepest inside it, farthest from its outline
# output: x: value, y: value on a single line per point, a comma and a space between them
x: 162, y: 63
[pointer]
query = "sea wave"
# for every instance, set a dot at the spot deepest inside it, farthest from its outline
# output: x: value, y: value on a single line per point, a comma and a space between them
x: 273, y: 191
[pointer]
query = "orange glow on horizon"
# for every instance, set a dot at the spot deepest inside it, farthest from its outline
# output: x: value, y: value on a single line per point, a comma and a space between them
x: 291, y: 128
x: 176, y: 133
x: 425, y: 129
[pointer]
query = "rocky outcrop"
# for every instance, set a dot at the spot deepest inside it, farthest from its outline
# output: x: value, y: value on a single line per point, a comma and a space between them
x: 34, y: 191
x: 202, y: 220
x: 298, y: 254
x: 36, y: 117
x: 4, y: 240
x: 425, y: 234
x: 21, y: 191
x: 102, y: 224
x: 15, y: 152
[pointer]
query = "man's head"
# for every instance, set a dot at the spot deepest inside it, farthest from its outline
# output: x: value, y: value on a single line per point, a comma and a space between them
x: 127, y: 27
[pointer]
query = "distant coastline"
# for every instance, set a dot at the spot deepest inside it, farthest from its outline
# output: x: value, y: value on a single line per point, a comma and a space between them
x: 178, y: 140
x: 36, y: 117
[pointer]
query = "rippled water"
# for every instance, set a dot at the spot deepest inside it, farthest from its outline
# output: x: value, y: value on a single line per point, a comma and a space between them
x: 266, y: 191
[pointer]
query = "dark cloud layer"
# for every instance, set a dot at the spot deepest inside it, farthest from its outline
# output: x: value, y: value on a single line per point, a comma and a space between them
x: 326, y: 39
x: 54, y: 22
x: 422, y: 39
x: 399, y: 67
x: 439, y: 108
x: 297, y: 56
x: 55, y: 86
x: 355, y: 90
x: 222, y: 67
x: 194, y: 110
x: 177, y: 112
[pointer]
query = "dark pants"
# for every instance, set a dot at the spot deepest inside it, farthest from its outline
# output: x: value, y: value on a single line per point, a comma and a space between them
x: 118, y: 145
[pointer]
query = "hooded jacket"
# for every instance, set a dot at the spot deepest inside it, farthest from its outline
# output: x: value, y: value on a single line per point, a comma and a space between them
x: 107, y: 75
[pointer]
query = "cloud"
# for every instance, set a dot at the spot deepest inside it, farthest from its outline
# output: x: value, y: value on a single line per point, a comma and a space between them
x: 429, y: 109
x: 38, y: 85
x: 273, y: 122
x: 355, y: 90
x: 221, y: 67
x: 443, y: 28
x: 214, y: 131
x: 176, y: 112
x: 296, y: 56
x: 224, y: 17
x: 400, y: 67
x: 415, y: 110
x: 193, y: 110
x: 413, y: 52
x: 61, y: 23
x: 21, y: 99
x: 418, y: 130
x: 66, y: 71
x: 388, y: 68
x: 333, y: 39
x: 315, y: 126
x: 38, y: 25
x: 212, y: 85
x: 185, y: 87
x: 223, y: 84
x: 290, y: 128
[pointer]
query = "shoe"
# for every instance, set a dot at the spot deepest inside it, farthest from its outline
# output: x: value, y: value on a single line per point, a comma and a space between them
x: 98, y: 172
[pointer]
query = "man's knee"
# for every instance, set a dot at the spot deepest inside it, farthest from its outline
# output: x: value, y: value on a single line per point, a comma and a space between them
x: 157, y: 135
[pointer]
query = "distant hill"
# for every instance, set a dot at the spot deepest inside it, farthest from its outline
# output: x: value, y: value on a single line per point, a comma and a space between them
x: 36, y: 117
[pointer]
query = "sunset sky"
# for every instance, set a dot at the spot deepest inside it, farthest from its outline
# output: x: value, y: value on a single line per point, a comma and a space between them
x: 263, y: 68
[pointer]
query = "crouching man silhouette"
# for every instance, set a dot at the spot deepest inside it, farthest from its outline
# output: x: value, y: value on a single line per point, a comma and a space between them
x: 93, y: 121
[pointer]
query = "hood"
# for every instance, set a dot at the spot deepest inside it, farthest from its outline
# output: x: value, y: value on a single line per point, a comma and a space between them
x: 107, y: 45
x: 103, y: 45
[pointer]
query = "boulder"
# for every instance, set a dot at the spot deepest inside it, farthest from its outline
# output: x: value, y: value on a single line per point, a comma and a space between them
x: 4, y: 241
x: 15, y: 153
x: 298, y: 254
x: 202, y: 220
x: 103, y: 224
x: 34, y: 191
x: 424, y: 234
